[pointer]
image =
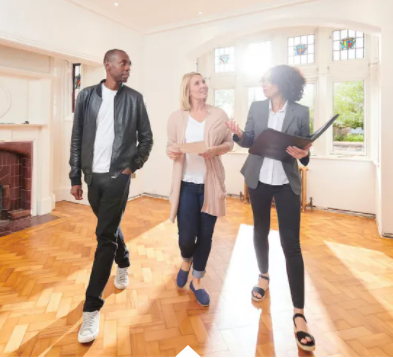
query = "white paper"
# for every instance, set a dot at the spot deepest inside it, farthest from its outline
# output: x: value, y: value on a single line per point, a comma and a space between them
x: 192, y: 148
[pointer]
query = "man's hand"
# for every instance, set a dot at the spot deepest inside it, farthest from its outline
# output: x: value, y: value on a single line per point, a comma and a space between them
x: 210, y: 153
x: 299, y: 153
x: 127, y: 171
x: 77, y: 192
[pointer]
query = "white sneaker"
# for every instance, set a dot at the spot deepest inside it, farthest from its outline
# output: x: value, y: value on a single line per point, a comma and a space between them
x: 90, y: 327
x: 121, y: 279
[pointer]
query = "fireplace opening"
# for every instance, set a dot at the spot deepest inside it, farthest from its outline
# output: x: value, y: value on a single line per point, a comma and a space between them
x: 15, y: 180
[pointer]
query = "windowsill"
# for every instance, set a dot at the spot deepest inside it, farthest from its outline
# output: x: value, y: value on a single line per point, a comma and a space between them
x: 355, y: 158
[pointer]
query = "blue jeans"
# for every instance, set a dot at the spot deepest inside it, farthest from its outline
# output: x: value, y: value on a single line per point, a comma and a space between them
x: 195, y: 228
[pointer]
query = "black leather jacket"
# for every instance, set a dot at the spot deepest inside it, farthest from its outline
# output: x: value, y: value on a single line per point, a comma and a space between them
x: 133, y: 136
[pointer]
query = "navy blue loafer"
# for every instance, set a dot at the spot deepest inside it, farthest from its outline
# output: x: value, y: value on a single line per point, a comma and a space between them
x: 182, y: 278
x: 201, y: 295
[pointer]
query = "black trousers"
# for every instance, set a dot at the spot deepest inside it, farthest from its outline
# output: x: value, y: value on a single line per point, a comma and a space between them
x: 108, y: 198
x: 288, y: 212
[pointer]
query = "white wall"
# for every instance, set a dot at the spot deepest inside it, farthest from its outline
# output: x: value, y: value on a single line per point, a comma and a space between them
x: 342, y: 184
x: 66, y: 29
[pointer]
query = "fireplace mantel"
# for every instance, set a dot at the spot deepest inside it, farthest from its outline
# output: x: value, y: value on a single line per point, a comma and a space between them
x: 21, y: 125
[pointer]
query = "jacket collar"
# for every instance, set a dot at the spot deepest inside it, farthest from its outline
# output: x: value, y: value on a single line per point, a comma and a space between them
x: 99, y: 88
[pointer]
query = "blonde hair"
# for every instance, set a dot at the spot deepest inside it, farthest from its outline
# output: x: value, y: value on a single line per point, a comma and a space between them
x: 185, y: 103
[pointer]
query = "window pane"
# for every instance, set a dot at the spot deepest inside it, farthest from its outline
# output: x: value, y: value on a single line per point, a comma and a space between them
x: 348, y: 129
x: 76, y: 83
x: 308, y: 100
x: 303, y: 46
x: 350, y: 42
x: 255, y: 94
x: 258, y: 58
x: 224, y: 59
x: 225, y: 99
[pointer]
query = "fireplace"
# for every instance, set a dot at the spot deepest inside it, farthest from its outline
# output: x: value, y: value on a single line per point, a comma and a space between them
x: 15, y: 180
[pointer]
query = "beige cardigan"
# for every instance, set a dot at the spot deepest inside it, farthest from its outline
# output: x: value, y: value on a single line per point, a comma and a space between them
x: 216, y: 134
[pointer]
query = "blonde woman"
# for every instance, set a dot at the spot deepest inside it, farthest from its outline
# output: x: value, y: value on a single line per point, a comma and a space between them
x: 198, y: 190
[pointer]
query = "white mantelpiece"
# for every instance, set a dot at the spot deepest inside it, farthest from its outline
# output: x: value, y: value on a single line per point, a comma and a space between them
x: 21, y: 125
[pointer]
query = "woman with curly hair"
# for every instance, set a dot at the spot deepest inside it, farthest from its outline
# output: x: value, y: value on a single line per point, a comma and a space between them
x: 267, y: 179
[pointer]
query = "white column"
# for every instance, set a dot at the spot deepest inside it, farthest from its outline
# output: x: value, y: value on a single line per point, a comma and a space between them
x: 385, y: 193
x: 322, y: 110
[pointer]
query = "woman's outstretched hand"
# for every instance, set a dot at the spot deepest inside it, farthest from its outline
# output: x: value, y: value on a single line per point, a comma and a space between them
x: 234, y: 128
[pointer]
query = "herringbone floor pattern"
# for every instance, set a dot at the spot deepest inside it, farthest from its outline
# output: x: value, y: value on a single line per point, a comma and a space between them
x: 44, y: 271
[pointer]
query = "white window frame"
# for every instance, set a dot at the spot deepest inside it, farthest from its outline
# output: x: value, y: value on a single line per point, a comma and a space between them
x: 322, y: 73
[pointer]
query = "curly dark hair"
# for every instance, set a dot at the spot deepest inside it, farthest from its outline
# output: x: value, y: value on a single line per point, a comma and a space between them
x: 289, y: 80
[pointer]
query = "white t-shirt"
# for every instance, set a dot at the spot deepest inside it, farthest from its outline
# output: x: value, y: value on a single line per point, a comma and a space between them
x: 195, y: 167
x: 105, y: 133
x: 272, y: 171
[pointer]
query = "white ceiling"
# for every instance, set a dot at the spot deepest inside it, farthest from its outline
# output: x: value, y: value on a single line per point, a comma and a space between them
x: 156, y: 15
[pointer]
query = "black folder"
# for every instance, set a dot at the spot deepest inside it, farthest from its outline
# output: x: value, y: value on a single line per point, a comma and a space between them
x: 273, y: 144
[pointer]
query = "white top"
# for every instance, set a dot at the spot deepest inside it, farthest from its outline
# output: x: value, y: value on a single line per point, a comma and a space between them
x: 195, y: 167
x: 105, y: 133
x: 272, y: 171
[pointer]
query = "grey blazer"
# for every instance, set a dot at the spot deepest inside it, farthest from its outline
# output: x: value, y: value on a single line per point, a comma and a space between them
x: 296, y: 122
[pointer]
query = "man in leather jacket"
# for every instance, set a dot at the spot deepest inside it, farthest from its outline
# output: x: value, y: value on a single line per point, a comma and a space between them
x: 111, y: 139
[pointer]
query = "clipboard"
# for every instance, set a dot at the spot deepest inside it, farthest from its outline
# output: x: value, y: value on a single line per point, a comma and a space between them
x: 273, y: 144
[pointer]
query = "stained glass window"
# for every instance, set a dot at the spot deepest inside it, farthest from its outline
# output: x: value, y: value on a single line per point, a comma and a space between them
x: 224, y: 59
x: 301, y: 50
x: 348, y: 129
x: 76, y: 83
x: 255, y: 94
x: 225, y: 99
x: 348, y: 45
x: 258, y: 58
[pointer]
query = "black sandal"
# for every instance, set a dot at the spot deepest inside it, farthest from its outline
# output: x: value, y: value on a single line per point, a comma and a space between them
x: 309, y: 346
x: 259, y: 290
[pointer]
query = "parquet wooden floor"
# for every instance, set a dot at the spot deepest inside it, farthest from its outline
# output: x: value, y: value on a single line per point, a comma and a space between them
x: 44, y: 271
